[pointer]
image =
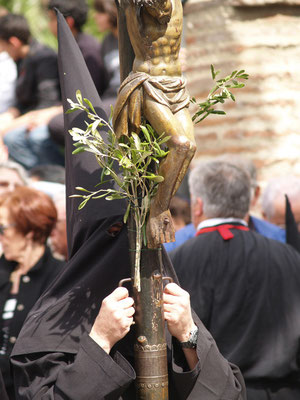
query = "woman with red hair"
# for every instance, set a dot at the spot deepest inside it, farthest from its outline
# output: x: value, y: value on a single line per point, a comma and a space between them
x: 27, y: 266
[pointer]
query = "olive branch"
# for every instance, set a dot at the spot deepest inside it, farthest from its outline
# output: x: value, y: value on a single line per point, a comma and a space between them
x: 219, y: 93
x: 137, y: 156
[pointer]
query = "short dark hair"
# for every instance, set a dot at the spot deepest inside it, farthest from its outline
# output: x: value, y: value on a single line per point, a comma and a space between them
x: 180, y: 208
x: 77, y: 9
x: 107, y: 7
x: 14, y: 25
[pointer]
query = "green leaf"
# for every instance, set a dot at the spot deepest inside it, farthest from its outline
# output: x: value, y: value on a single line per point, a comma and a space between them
x: 111, y: 113
x: 212, y: 70
x: 109, y: 198
x: 124, y: 145
x: 162, y: 154
x: 144, y: 235
x: 155, y: 178
x: 70, y: 110
x: 146, y: 133
x: 155, y: 159
x: 99, y: 196
x: 82, y: 189
x: 79, y: 150
x: 144, y: 156
x: 214, y: 73
x: 90, y: 105
x: 82, y: 204
x: 102, y: 182
x: 137, y: 140
x: 151, y: 131
x: 244, y: 76
x: 218, y: 112
x: 78, y: 130
x: 164, y: 140
x: 146, y: 202
x: 126, y: 215
x: 95, y: 125
x: 214, y: 89
x: 201, y: 119
x: 79, y: 96
x: 125, y: 162
x: 77, y: 144
x: 225, y: 93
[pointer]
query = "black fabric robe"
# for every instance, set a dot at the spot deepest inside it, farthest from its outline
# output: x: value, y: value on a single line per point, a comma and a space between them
x: 3, y: 394
x: 54, y: 358
x: 247, y: 293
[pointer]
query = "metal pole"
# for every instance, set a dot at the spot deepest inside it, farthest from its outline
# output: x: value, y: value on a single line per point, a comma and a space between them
x: 150, y: 348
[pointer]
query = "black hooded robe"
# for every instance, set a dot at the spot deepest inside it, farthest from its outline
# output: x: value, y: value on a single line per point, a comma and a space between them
x: 246, y: 291
x: 54, y: 358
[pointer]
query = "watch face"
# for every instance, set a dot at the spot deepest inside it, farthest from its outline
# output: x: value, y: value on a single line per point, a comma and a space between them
x: 192, y: 342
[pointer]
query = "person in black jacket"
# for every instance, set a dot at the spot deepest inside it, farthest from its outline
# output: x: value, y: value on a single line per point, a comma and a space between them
x: 243, y: 286
x: 27, y: 266
x: 37, y: 93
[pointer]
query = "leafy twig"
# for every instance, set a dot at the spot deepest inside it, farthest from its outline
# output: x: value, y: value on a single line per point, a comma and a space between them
x: 219, y: 93
x: 138, y: 158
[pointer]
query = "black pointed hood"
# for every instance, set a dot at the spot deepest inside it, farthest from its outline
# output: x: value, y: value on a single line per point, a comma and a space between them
x: 98, y: 260
x: 292, y: 234
x: 74, y: 75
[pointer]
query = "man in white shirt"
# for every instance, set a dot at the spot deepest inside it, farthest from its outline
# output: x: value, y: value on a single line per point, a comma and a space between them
x: 8, y: 76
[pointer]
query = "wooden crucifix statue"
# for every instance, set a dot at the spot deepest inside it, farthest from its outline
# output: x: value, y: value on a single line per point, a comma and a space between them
x: 155, y: 91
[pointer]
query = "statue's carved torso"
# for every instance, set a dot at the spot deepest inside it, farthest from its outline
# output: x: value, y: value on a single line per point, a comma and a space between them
x: 155, y: 35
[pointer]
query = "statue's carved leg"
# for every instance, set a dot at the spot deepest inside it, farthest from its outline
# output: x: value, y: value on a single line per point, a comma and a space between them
x: 173, y: 168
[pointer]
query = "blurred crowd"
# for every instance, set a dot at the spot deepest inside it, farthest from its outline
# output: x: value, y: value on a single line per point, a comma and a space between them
x: 33, y: 238
x: 31, y: 119
x: 225, y: 191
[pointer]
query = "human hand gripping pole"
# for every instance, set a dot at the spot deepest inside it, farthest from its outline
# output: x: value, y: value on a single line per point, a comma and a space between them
x: 114, y: 319
x: 178, y: 314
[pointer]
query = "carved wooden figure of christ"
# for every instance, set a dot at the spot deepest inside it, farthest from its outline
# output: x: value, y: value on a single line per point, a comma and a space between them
x: 155, y: 91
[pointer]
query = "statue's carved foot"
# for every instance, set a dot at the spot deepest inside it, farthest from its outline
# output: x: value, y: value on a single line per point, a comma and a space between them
x: 160, y: 229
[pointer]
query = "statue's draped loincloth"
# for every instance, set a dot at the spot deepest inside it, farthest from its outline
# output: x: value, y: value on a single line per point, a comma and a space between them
x: 168, y: 91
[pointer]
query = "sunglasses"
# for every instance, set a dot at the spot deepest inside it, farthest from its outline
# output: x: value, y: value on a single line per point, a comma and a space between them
x: 3, y: 227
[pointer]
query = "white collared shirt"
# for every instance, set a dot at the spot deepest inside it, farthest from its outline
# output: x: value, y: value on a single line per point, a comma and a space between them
x: 218, y: 221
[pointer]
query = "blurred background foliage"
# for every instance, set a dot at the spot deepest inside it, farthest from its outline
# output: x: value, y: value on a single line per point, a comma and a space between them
x: 36, y: 13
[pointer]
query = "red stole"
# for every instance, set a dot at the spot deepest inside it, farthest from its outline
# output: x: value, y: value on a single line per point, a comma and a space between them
x: 224, y: 230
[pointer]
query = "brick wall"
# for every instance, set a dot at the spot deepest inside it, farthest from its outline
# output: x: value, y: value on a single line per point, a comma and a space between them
x: 262, y: 37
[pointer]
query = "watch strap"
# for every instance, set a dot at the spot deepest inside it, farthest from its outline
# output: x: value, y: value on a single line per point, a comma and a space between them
x: 191, y: 343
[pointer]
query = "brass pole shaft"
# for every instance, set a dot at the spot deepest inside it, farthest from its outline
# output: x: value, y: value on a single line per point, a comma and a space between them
x: 150, y: 348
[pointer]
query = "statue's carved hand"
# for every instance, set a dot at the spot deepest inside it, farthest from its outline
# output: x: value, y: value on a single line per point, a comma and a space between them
x: 160, y: 229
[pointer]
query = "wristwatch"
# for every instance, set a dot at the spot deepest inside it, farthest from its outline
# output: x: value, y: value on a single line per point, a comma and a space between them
x: 192, y: 342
